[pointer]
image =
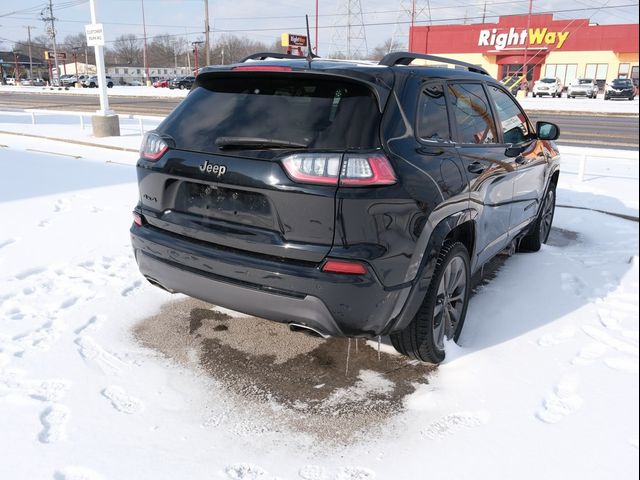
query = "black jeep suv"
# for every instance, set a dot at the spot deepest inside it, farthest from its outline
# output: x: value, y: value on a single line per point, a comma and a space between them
x: 342, y: 197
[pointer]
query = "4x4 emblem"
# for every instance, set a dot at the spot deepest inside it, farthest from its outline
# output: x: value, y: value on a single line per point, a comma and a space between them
x: 207, y: 167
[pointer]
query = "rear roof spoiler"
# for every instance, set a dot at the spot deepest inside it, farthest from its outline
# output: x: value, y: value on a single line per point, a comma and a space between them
x: 265, y: 55
x: 405, y: 58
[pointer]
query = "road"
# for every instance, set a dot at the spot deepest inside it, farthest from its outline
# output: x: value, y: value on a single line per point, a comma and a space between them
x: 589, y: 130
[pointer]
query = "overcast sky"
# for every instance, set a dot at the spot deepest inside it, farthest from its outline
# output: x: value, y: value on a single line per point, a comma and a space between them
x: 266, y: 20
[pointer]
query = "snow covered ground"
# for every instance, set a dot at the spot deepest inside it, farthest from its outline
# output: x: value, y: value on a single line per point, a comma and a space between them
x: 530, y: 104
x: 544, y: 384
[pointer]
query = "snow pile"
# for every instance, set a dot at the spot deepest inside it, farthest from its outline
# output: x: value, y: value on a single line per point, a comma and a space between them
x: 115, y: 91
x: 544, y: 384
x: 597, y: 105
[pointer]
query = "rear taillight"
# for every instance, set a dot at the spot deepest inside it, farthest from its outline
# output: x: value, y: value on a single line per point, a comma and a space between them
x: 153, y: 146
x: 364, y: 170
x: 313, y: 168
x: 137, y: 219
x: 352, y: 170
x: 344, y: 266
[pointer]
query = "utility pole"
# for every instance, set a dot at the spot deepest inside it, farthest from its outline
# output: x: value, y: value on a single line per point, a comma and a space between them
x: 206, y: 32
x: 29, y: 27
x: 50, y: 19
x: 144, y: 49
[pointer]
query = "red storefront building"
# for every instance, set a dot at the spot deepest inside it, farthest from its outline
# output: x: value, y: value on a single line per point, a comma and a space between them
x: 567, y: 49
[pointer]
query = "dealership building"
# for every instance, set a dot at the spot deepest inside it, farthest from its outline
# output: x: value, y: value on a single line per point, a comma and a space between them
x: 567, y: 49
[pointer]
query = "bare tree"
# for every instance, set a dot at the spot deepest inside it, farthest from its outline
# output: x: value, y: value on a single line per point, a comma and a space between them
x: 231, y: 49
x: 389, y: 45
x: 126, y: 50
x: 162, y: 51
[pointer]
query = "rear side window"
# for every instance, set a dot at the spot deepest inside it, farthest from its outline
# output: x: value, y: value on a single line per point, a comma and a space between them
x: 433, y: 121
x: 471, y: 113
x: 514, y: 124
x: 315, y: 112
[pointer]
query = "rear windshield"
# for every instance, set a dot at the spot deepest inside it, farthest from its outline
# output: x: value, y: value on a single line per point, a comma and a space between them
x: 313, y: 112
x: 548, y: 80
x: 584, y: 82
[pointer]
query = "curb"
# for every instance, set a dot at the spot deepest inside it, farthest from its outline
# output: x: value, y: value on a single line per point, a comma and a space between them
x: 76, y: 142
x: 613, y: 214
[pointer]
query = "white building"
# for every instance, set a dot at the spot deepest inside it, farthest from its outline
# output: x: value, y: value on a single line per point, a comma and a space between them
x: 124, y: 74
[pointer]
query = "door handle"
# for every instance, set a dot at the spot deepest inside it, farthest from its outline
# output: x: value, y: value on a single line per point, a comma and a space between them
x: 476, y: 167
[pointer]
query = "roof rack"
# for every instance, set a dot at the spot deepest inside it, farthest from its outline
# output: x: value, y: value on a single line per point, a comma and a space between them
x: 405, y: 58
x: 265, y: 55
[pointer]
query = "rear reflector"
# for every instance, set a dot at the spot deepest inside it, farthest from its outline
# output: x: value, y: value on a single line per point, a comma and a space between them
x: 354, y: 170
x: 343, y: 266
x: 262, y: 68
x: 153, y: 146
x: 137, y: 219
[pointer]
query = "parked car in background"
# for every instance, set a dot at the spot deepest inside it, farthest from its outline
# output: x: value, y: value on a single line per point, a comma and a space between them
x: 620, y: 88
x: 583, y: 87
x: 548, y: 86
x: 343, y: 198
x: 68, y: 80
x: 135, y: 83
x: 182, y: 83
x: 163, y: 83
x: 10, y: 80
x: 92, y: 82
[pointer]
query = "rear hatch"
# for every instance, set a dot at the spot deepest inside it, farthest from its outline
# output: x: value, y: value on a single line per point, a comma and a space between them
x: 223, y: 178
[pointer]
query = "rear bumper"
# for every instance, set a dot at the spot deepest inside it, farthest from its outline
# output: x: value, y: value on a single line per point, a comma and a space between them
x: 580, y: 93
x: 272, y: 288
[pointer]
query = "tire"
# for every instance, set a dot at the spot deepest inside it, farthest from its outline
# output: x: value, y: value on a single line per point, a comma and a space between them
x: 606, y: 98
x: 533, y: 95
x: 110, y: 85
x: 539, y: 233
x: 443, y: 309
x: 181, y: 87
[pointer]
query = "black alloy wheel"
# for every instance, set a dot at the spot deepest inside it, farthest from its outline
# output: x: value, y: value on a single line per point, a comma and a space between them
x: 539, y: 233
x: 443, y: 310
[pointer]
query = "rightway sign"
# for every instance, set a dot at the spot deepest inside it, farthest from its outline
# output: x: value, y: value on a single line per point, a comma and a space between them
x: 95, y: 35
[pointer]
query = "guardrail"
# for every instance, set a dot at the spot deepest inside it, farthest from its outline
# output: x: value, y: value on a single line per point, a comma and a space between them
x: 589, y: 159
x: 81, y: 116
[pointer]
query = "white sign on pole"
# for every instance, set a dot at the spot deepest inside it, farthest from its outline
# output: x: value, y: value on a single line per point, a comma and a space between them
x: 95, y: 35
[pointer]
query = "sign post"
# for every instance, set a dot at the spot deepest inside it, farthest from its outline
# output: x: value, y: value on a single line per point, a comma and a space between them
x: 106, y: 123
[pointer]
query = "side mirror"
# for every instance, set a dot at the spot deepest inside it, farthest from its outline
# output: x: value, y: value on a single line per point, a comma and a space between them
x: 547, y: 131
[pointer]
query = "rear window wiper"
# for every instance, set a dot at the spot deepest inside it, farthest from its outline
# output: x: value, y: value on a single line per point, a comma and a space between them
x: 256, y: 143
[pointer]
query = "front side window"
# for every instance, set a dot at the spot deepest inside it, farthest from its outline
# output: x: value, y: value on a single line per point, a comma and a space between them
x: 514, y: 124
x: 433, y: 122
x: 471, y: 113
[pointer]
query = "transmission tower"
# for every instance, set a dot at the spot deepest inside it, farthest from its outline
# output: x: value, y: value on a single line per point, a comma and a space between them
x: 412, y: 12
x: 349, y: 39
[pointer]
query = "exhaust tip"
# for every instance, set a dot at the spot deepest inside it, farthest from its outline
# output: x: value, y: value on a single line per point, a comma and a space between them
x: 156, y: 283
x: 296, y: 327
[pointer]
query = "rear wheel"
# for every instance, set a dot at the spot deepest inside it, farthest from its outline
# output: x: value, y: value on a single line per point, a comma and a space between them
x: 539, y: 233
x: 443, y: 309
x: 181, y: 87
